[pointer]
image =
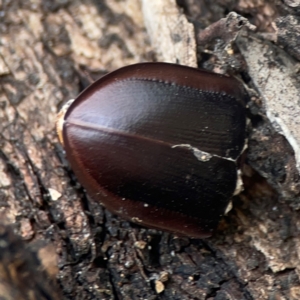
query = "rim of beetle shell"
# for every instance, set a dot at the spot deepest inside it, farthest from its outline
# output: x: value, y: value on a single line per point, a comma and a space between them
x: 60, y: 119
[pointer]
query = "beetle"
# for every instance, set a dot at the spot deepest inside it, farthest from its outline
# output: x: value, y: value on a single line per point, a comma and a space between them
x: 159, y: 144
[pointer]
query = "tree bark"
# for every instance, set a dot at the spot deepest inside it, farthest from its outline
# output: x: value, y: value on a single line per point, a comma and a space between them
x: 49, y: 52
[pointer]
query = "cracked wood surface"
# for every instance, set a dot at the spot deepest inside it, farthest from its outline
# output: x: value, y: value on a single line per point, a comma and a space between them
x: 49, y: 51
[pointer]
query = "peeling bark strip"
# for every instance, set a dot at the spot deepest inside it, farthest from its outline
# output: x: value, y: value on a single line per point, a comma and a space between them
x: 274, y: 76
x: 272, y: 72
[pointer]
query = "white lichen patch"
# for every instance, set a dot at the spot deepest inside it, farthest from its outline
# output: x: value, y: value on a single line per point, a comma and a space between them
x: 199, y: 154
x: 54, y: 194
x: 136, y: 220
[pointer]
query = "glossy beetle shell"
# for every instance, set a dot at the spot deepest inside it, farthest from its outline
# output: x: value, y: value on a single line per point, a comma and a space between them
x: 158, y: 144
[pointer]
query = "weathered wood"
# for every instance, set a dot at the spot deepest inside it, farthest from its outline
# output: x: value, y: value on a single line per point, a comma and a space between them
x: 26, y: 273
x: 172, y: 36
x: 49, y: 51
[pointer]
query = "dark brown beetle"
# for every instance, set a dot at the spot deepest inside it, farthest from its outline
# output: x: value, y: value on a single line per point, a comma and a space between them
x: 158, y: 144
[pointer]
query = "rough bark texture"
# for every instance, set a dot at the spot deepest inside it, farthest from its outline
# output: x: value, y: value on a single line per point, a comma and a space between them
x: 50, y: 51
